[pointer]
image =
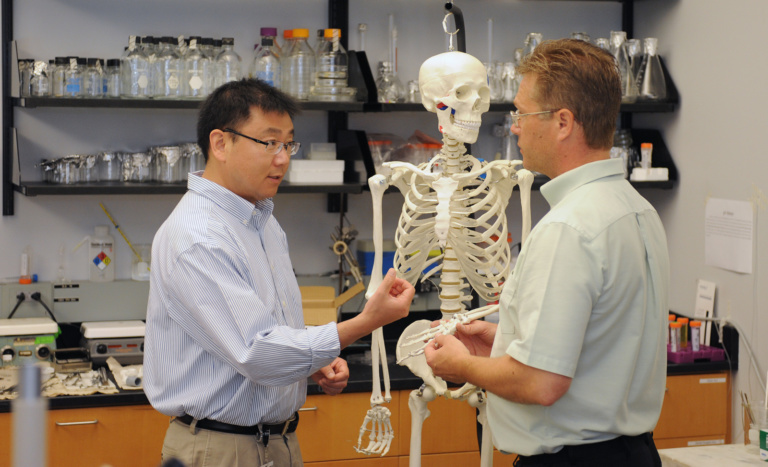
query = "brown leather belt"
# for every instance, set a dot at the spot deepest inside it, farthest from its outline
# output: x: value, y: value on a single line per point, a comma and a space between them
x: 289, y: 426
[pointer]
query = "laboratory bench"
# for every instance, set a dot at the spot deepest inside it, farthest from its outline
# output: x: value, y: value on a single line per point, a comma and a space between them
x: 696, y: 411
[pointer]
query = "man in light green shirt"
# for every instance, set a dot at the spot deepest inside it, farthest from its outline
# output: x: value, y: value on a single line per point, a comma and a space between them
x: 575, y: 369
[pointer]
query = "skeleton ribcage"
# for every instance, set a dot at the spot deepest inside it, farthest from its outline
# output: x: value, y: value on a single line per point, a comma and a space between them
x: 477, y: 233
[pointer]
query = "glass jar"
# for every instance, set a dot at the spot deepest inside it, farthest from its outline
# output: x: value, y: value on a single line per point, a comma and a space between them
x: 193, y: 159
x: 166, y: 164
x: 197, y: 71
x: 26, y: 66
x: 73, y: 77
x: 89, y: 169
x: 112, y: 78
x: 58, y: 77
x: 40, y: 82
x: 92, y: 78
x: 68, y: 170
x: 110, y: 166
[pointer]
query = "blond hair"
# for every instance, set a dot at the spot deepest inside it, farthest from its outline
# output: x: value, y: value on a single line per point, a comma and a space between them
x: 583, y: 78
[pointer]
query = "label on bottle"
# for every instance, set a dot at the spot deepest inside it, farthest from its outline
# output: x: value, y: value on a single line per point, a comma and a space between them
x: 173, y: 82
x: 143, y: 81
x: 195, y: 82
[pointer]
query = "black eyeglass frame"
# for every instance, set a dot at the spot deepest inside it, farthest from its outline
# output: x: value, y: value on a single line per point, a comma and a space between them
x: 292, y: 146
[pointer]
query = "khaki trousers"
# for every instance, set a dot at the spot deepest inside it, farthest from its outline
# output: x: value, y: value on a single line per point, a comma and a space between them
x: 196, y: 447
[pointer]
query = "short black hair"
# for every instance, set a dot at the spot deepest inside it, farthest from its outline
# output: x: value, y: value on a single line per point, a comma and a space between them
x: 230, y: 104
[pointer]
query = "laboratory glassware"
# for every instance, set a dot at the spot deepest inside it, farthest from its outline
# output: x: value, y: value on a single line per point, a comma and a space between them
x: 331, y: 73
x: 25, y: 74
x: 619, y: 51
x: 635, y: 52
x: 301, y: 65
x: 168, y: 71
x: 73, y: 77
x: 92, y: 79
x: 653, y: 85
x: 582, y: 36
x: 509, y: 82
x: 388, y: 86
x: 112, y: 76
x: 197, y: 77
x: 227, y: 63
x: 603, y: 43
x: 494, y: 82
x: 39, y: 83
x: 266, y: 65
x: 134, y: 68
x: 531, y: 41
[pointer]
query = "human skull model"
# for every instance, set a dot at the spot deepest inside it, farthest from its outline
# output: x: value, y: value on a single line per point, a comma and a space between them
x: 454, y: 85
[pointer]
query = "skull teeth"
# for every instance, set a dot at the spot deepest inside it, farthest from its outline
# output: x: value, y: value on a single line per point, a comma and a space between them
x: 466, y: 124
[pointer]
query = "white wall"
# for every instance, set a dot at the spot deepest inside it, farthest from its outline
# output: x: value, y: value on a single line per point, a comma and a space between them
x: 712, y: 47
x: 714, y: 50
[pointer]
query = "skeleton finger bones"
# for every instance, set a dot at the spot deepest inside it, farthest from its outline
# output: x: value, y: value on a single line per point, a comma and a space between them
x: 381, y: 433
x: 446, y: 327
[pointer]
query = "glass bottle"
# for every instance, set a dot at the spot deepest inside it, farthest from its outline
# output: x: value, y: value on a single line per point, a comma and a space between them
x: 509, y: 82
x: 619, y: 51
x: 134, y: 68
x: 112, y: 77
x: 286, y: 51
x: 197, y: 71
x: 301, y: 65
x: 150, y: 46
x: 73, y: 77
x: 92, y: 83
x: 653, y: 85
x: 39, y: 83
x: 227, y: 63
x: 388, y: 86
x: 168, y: 70
x: 58, y: 80
x: 603, y: 43
x: 331, y: 77
x: 266, y: 66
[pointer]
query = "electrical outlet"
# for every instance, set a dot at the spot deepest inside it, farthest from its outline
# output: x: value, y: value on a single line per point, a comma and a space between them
x: 29, y: 308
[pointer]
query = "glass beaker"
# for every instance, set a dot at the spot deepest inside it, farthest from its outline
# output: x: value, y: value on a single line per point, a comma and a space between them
x: 388, y: 86
x: 653, y: 85
x: 109, y: 167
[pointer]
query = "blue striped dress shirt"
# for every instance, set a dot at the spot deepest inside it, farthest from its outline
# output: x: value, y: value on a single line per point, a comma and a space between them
x: 225, y: 336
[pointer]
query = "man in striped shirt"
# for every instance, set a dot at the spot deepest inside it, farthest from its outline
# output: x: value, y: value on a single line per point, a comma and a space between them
x: 226, y: 350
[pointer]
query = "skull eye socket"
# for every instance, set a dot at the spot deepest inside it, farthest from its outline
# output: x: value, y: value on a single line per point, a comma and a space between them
x: 485, y: 93
x: 462, y: 92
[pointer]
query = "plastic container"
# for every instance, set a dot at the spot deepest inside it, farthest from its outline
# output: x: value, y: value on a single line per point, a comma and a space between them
x: 683, y: 331
x: 695, y: 333
x: 140, y: 264
x: 675, y: 334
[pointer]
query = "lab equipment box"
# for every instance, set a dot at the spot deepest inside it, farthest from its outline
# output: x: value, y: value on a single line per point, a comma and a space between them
x: 321, y: 304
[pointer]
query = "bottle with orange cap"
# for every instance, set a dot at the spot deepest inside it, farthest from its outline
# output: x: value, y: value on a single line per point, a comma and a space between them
x: 674, y: 336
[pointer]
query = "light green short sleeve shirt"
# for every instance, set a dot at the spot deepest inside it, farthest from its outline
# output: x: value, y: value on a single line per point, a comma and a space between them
x: 588, y: 300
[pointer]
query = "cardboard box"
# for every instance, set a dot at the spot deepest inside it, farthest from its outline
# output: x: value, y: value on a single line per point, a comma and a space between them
x: 321, y: 304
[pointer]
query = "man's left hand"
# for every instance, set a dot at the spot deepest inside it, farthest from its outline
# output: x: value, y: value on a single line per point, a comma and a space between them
x: 332, y: 378
x: 447, y: 357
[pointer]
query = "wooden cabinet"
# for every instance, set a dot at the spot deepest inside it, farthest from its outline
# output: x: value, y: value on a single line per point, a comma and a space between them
x: 330, y: 426
x: 126, y: 436
x: 696, y: 411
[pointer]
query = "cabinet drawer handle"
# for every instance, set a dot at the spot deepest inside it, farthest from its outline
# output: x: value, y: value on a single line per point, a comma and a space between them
x: 308, y: 409
x: 89, y: 422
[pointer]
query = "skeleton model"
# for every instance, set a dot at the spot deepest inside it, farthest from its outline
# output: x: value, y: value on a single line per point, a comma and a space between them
x: 454, y: 204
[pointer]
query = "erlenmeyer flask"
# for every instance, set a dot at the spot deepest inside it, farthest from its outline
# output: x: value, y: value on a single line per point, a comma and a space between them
x: 531, y: 41
x: 653, y: 85
x: 619, y: 51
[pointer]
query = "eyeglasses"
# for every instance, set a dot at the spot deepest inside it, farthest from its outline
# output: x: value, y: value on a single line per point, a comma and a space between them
x: 272, y: 147
x: 517, y: 116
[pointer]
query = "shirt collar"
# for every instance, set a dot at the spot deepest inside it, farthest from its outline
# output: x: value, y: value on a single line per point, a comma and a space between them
x: 243, y: 210
x: 558, y: 188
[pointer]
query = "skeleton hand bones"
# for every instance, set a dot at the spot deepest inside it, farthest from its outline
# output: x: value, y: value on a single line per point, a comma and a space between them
x: 446, y: 327
x: 381, y: 431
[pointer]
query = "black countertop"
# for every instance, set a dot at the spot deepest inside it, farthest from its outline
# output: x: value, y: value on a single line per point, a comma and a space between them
x: 359, y: 381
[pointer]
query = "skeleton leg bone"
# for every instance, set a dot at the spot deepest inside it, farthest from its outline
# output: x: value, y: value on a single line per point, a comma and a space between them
x: 478, y: 401
x: 417, y: 403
